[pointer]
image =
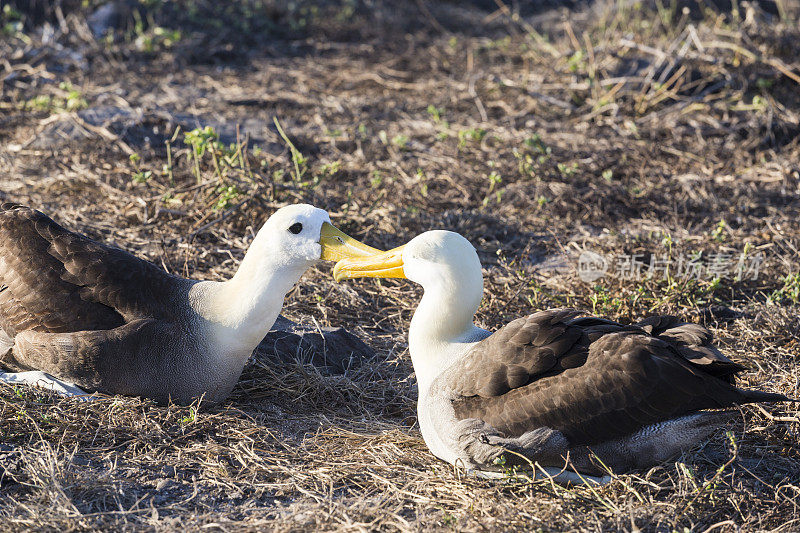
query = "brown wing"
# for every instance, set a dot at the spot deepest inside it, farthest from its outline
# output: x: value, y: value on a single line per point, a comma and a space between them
x: 531, y: 347
x: 626, y: 380
x: 54, y: 280
x: 523, y: 349
x: 694, y: 342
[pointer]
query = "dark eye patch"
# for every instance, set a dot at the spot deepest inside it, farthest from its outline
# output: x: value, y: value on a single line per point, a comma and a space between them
x: 296, y: 228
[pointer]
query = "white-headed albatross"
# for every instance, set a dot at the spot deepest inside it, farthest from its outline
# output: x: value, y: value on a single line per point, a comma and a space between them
x: 108, y: 321
x: 552, y: 384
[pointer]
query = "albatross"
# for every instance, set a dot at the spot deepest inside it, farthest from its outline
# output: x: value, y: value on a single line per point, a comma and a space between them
x: 103, y: 319
x: 554, y: 385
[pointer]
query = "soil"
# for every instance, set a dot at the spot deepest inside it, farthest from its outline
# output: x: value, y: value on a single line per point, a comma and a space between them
x: 651, y: 135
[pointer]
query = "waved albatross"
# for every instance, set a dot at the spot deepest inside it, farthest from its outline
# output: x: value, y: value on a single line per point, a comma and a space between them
x: 554, y: 384
x: 108, y: 321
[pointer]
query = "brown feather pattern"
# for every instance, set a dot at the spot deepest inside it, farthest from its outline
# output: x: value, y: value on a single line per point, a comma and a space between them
x: 594, y: 379
x: 81, y: 310
x: 60, y: 281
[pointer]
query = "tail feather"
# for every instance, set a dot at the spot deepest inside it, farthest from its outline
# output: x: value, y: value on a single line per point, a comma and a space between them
x: 753, y: 396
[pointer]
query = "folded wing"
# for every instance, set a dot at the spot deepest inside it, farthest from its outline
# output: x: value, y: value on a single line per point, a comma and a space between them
x: 592, y: 379
x: 54, y: 280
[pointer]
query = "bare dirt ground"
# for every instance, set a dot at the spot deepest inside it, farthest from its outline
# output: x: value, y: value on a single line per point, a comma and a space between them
x: 651, y: 130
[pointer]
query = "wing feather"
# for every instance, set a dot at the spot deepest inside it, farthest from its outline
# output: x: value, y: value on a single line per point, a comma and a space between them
x: 694, y: 342
x: 59, y: 281
x: 591, y: 379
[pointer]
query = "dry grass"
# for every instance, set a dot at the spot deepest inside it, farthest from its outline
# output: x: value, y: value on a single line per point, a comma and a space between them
x: 620, y: 128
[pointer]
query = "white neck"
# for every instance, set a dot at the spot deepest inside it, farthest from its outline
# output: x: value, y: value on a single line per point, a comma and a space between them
x: 240, y: 311
x: 442, y: 328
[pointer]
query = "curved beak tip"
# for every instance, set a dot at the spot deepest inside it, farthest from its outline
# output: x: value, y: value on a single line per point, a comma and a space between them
x: 338, y: 275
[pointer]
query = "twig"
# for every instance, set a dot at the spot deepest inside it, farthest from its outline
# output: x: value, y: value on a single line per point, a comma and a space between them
x: 777, y: 418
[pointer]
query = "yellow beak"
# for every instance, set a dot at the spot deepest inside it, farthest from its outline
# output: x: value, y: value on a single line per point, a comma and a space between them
x: 380, y: 265
x: 338, y: 245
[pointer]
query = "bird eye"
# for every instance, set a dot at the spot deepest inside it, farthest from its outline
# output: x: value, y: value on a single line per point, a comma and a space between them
x: 296, y: 228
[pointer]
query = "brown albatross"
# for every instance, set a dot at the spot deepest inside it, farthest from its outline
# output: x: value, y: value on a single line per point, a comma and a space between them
x: 553, y: 384
x: 107, y: 321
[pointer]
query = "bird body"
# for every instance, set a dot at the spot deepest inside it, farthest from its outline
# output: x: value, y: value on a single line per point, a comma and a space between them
x: 553, y: 385
x: 108, y: 321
